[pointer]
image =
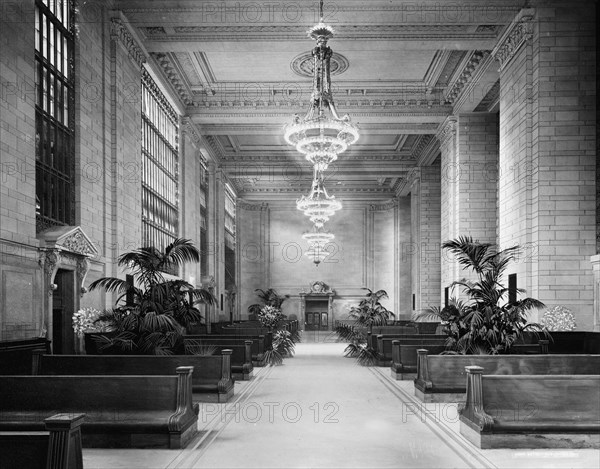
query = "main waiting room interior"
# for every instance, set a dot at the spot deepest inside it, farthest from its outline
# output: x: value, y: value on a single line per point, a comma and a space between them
x: 314, y: 151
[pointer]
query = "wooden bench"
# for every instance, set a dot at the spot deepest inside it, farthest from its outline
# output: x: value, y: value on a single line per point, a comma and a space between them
x: 211, y: 378
x: 260, y: 343
x: 384, y: 345
x: 121, y: 411
x: 59, y: 447
x: 442, y: 378
x: 372, y: 338
x: 241, y: 356
x: 404, y: 358
x: 531, y: 411
x: 16, y: 355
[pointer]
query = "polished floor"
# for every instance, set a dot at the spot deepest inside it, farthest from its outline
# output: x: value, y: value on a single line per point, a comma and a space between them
x: 321, y: 410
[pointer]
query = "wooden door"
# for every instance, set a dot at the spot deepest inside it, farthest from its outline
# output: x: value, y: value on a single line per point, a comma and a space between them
x: 63, y: 307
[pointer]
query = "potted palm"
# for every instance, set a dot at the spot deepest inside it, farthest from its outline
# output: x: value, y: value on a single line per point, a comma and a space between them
x: 484, y: 323
x: 368, y: 313
x: 269, y: 297
x: 151, y: 318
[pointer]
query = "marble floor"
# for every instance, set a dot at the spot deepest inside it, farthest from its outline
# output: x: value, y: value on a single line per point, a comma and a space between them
x: 321, y: 410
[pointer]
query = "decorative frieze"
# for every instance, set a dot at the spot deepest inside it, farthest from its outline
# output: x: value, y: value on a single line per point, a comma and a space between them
x: 519, y: 32
x: 120, y: 33
x: 389, y: 205
x: 243, y: 205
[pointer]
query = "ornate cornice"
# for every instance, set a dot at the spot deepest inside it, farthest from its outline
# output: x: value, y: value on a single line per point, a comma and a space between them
x: 391, y: 204
x: 215, y: 146
x: 188, y: 128
x: 177, y: 80
x: 427, y: 150
x: 517, y: 33
x: 472, y: 63
x: 261, y: 31
x: 120, y: 33
x: 447, y: 130
x: 426, y: 105
x: 241, y: 204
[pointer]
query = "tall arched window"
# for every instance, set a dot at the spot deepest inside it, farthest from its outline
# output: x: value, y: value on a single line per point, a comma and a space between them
x: 54, y: 114
x: 160, y: 167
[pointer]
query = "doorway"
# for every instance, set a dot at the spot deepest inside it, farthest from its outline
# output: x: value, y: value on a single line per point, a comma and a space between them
x: 63, y: 307
x: 317, y: 321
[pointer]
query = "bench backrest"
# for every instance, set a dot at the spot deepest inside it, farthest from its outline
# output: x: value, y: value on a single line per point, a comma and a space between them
x: 448, y: 371
x: 384, y: 345
x: 206, y: 368
x: 407, y: 354
x: 240, y: 353
x: 405, y: 337
x: 573, y: 398
x: 94, y: 394
x: 260, y: 343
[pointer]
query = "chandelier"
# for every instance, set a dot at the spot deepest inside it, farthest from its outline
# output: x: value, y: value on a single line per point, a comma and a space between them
x: 318, y: 205
x: 319, y: 137
x: 317, y: 254
x: 317, y: 237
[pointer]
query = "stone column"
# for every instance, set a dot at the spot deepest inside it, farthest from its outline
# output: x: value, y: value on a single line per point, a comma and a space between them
x: 425, y: 237
x: 469, y: 177
x: 547, y: 153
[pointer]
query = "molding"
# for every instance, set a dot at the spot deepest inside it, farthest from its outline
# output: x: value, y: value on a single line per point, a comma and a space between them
x: 302, y: 65
x: 518, y: 33
x: 426, y: 104
x: 243, y: 205
x: 120, y: 33
x: 177, y: 79
x: 447, y: 130
x: 385, y: 206
x: 427, y: 151
x: 472, y: 65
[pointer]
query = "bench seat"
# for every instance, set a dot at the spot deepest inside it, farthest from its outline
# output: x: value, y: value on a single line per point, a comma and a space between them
x: 211, y: 378
x: 531, y: 411
x: 442, y: 378
x: 121, y: 411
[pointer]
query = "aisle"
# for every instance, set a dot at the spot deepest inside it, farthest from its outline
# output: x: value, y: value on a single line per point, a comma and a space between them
x: 321, y: 410
x: 318, y: 410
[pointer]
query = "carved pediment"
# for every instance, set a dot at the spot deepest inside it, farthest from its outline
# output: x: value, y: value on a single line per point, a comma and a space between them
x: 70, y: 239
x: 318, y: 288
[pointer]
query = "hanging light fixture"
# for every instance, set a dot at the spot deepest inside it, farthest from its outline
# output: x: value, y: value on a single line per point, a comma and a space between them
x: 319, y: 137
x: 317, y: 239
x: 318, y: 205
x: 318, y: 236
x: 317, y: 253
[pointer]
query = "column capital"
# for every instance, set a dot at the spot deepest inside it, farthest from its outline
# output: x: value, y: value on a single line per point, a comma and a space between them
x: 447, y: 130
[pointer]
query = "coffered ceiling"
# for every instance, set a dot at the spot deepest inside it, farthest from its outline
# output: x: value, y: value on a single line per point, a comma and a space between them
x: 241, y: 70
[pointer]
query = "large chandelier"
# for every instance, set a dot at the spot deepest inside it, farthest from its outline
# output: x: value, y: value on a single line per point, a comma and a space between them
x: 318, y: 205
x: 319, y: 137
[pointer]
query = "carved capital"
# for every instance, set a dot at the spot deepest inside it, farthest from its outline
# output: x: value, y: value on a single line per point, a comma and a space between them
x: 518, y: 33
x: 447, y: 130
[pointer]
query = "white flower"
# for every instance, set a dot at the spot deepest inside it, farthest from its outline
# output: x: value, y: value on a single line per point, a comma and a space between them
x: 558, y: 318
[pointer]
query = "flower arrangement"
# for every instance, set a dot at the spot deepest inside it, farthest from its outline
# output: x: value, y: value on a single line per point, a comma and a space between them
x: 558, y: 318
x: 86, y: 320
x: 269, y: 316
